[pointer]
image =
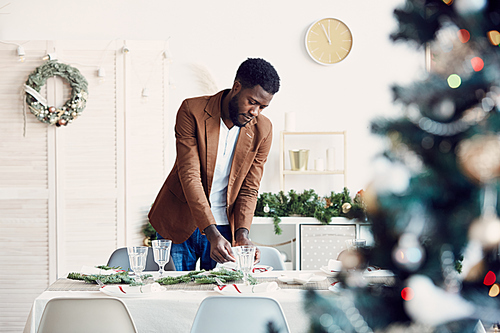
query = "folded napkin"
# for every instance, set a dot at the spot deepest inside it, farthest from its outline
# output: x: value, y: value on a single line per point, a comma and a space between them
x: 128, y: 290
x: 90, y: 270
x: 252, y: 289
x: 334, y: 265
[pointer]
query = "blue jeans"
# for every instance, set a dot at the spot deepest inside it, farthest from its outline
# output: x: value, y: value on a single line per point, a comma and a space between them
x: 196, y: 246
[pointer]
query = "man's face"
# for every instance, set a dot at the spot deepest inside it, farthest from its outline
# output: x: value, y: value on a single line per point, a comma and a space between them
x: 248, y: 104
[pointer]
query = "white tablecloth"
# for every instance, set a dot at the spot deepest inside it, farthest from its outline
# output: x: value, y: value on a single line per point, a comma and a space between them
x: 174, y: 311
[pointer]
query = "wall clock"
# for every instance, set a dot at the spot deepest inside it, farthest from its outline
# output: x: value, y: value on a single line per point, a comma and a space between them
x: 328, y: 41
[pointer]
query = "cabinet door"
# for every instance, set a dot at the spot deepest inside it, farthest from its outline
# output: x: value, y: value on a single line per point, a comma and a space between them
x: 320, y: 243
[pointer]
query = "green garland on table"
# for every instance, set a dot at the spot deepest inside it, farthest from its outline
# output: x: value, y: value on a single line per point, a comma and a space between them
x: 310, y: 204
x: 201, y: 277
x: 71, y: 109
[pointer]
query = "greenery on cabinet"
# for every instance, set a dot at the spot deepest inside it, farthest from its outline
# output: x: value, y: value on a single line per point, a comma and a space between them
x: 310, y: 204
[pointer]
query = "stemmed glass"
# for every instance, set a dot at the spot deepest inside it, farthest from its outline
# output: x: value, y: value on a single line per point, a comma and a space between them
x: 161, y: 252
x: 137, y: 256
x: 245, y: 255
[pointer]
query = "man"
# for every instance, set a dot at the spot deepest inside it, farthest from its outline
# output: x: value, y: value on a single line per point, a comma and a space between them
x: 207, y: 202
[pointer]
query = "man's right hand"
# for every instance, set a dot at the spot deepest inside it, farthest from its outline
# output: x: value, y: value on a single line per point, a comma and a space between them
x: 220, y: 248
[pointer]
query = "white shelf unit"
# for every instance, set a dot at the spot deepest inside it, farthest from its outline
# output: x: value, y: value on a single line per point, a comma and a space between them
x: 284, y: 172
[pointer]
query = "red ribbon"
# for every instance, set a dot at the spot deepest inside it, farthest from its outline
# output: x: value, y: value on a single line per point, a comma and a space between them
x: 123, y: 291
x: 259, y: 269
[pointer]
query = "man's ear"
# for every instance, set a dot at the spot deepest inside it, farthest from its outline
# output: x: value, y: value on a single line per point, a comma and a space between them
x: 236, y: 87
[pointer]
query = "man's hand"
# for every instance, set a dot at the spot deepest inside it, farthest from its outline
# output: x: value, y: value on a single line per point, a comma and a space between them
x: 241, y: 238
x: 220, y: 248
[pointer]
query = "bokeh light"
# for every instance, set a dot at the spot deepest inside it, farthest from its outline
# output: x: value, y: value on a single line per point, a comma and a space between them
x: 494, y: 290
x: 407, y: 294
x: 463, y: 35
x: 448, y: 2
x: 477, y: 64
x: 489, y: 278
x: 454, y: 81
x: 494, y: 37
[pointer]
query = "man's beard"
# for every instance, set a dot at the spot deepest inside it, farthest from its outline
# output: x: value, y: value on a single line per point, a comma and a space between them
x: 234, y: 111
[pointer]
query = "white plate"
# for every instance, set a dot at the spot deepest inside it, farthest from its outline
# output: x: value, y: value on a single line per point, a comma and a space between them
x: 335, y: 288
x: 257, y: 269
x: 301, y: 279
x: 126, y: 291
x: 378, y: 273
x: 325, y: 270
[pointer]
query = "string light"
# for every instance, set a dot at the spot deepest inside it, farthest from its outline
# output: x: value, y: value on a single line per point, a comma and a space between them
x: 407, y: 294
x: 477, y: 64
x: 125, y: 49
x: 21, y: 54
x: 463, y: 35
x: 489, y: 278
x: 50, y: 56
x: 494, y: 37
x: 454, y: 81
x: 101, y: 74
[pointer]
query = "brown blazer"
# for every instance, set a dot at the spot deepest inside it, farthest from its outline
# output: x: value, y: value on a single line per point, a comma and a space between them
x: 182, y: 205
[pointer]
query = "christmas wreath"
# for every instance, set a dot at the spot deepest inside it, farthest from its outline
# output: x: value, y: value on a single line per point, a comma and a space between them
x: 38, y: 104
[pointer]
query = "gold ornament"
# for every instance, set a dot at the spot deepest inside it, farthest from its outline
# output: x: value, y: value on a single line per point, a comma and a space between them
x: 346, y: 207
x: 479, y: 157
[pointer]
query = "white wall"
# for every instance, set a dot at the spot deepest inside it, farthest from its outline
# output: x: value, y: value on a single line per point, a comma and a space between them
x: 220, y: 34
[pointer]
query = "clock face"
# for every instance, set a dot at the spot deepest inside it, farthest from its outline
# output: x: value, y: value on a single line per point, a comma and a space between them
x: 328, y: 41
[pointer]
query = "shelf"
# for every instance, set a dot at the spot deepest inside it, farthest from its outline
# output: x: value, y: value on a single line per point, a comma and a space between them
x: 284, y: 172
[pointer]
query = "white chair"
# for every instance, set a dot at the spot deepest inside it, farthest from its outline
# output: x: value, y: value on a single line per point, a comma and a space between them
x: 244, y: 314
x: 104, y: 314
x: 271, y: 257
x: 119, y: 257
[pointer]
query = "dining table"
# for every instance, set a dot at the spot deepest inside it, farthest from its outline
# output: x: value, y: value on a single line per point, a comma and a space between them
x: 174, y: 309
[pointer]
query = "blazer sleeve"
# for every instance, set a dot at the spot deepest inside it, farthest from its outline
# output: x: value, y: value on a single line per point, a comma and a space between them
x: 188, y: 141
x: 244, y: 207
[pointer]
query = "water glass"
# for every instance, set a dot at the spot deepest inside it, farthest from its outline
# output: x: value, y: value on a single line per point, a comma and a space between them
x: 355, y: 244
x: 137, y: 256
x: 161, y: 253
x: 245, y: 255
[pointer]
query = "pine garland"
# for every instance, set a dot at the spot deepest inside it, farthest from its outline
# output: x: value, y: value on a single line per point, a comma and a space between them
x: 310, y: 204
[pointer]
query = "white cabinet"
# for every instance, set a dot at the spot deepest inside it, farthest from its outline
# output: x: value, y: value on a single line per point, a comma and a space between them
x: 314, y: 141
x: 307, y: 242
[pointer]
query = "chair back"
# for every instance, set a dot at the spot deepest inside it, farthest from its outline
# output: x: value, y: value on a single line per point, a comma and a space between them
x: 271, y: 257
x: 77, y: 315
x: 120, y: 258
x: 242, y: 314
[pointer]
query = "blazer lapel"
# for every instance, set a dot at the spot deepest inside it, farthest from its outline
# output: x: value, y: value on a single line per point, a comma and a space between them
x: 212, y: 131
x: 241, y: 150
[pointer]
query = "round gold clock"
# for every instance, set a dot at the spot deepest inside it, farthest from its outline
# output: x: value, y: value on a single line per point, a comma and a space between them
x: 328, y: 41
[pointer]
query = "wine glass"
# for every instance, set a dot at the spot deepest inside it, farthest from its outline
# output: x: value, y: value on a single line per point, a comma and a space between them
x: 137, y: 256
x: 161, y: 253
x: 246, y: 256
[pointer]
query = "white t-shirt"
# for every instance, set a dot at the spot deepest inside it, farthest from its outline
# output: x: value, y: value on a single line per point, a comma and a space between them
x: 225, y: 153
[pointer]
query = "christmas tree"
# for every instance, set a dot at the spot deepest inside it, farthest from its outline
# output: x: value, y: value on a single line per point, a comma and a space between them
x: 436, y: 224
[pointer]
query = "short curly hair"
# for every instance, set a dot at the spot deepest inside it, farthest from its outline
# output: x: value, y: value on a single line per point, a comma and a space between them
x: 256, y: 71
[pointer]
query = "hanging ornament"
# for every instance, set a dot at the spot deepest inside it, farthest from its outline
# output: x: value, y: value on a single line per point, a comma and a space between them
x: 479, y: 157
x: 346, y: 207
x: 266, y: 209
x: 408, y: 254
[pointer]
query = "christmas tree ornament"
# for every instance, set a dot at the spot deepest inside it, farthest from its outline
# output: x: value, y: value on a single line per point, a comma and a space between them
x: 408, y: 253
x: 479, y: 157
x: 486, y: 230
x: 38, y: 105
x: 432, y: 305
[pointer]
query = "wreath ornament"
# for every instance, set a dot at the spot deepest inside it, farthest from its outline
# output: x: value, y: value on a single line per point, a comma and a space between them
x: 39, y: 106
